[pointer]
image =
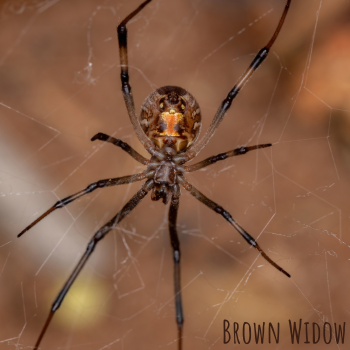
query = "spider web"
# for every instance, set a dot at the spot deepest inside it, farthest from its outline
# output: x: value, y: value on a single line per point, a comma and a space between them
x: 60, y: 86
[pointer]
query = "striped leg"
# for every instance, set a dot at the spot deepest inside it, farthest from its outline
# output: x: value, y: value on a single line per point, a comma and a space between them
x: 101, y: 233
x: 227, y: 216
x: 92, y: 187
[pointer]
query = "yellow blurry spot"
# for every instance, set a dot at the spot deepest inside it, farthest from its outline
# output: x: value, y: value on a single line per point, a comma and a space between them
x: 172, y: 111
x: 182, y: 106
x: 161, y: 105
x: 83, y: 305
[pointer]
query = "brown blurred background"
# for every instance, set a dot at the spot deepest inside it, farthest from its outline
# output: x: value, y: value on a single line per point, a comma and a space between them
x: 59, y: 85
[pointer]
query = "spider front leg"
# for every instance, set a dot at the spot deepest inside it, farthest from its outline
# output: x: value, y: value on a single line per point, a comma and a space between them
x: 227, y: 216
x: 226, y: 103
x: 174, y: 207
x: 126, y: 88
x: 101, y: 233
x: 211, y: 160
x: 92, y: 187
x: 123, y: 145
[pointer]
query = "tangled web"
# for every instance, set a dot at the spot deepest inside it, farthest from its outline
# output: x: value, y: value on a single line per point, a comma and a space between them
x: 60, y: 85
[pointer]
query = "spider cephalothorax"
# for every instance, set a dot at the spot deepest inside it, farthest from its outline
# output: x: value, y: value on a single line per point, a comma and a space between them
x: 165, y: 175
x: 168, y: 128
x: 170, y: 116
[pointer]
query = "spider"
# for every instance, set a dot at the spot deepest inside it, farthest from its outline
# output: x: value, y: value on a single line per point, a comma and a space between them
x: 168, y: 128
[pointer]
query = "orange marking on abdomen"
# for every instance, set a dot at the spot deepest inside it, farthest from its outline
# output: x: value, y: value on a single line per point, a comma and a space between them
x: 171, y: 120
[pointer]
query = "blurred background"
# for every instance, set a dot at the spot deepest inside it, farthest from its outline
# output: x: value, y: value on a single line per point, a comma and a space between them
x: 59, y: 85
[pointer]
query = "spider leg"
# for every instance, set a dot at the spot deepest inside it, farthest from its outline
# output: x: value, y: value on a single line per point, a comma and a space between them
x: 227, y: 216
x: 123, y: 145
x: 226, y: 103
x: 126, y: 88
x: 213, y: 159
x: 174, y: 206
x: 92, y: 187
x: 101, y: 233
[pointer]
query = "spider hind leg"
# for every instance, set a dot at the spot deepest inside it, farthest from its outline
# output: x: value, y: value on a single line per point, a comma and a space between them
x: 100, y: 234
x: 175, y: 244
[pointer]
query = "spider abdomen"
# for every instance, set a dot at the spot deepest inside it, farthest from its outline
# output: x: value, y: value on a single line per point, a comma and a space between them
x: 171, y: 117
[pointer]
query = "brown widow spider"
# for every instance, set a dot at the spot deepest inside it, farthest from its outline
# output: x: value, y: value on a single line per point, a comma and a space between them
x: 168, y: 129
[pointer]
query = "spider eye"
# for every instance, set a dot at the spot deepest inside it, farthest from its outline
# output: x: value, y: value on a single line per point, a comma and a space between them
x: 161, y: 105
x: 182, y: 106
